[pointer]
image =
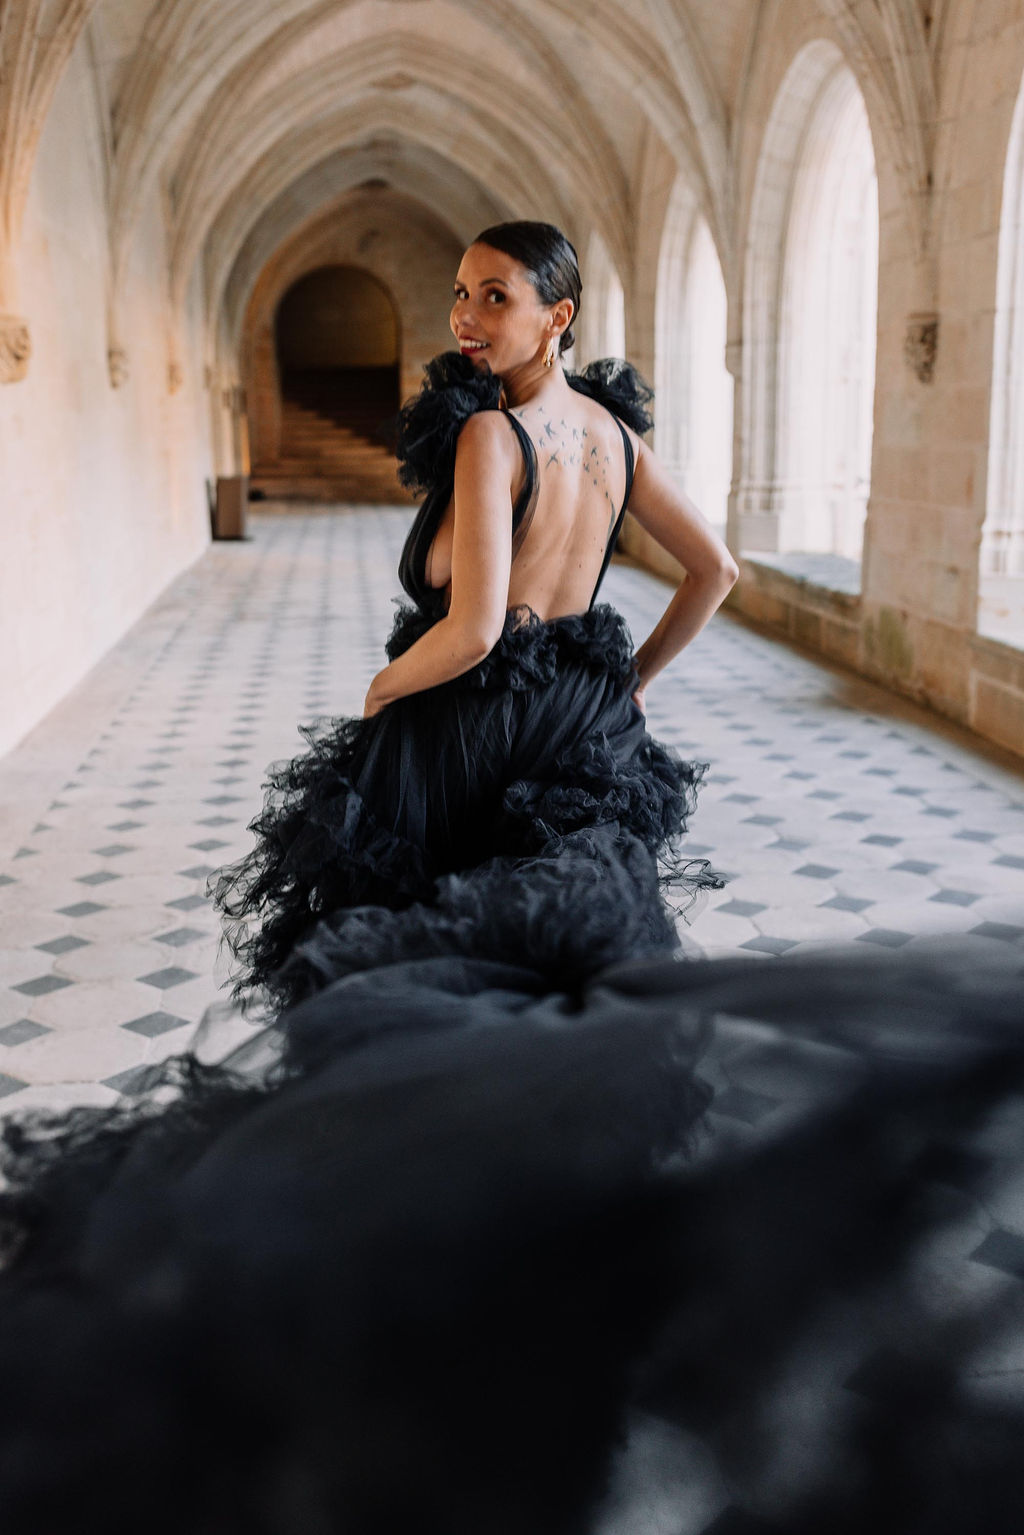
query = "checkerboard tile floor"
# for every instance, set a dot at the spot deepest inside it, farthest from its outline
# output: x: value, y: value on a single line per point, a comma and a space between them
x: 837, y: 811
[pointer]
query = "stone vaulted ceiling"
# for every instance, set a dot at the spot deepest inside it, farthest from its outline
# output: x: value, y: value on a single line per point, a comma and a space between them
x: 248, y: 117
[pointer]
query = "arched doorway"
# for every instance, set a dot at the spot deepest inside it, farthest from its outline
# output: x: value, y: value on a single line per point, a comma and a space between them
x: 337, y: 347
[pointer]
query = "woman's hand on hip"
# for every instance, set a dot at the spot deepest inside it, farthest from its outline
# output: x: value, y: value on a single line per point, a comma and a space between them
x: 373, y: 703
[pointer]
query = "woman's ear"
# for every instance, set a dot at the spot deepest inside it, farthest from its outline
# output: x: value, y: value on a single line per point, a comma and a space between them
x: 561, y: 315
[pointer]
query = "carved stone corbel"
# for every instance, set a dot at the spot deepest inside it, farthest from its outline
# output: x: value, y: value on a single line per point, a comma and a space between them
x: 233, y: 399
x: 117, y: 366
x: 15, y: 348
x: 921, y: 344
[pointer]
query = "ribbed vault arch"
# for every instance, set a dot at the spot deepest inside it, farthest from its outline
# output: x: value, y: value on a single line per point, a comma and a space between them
x: 37, y: 39
x: 224, y: 152
x: 193, y: 64
x: 680, y: 37
x: 367, y: 127
x: 891, y: 51
x: 195, y: 112
x: 165, y: 100
x: 408, y: 168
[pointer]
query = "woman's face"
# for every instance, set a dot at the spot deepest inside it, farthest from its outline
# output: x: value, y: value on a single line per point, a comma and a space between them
x: 498, y: 318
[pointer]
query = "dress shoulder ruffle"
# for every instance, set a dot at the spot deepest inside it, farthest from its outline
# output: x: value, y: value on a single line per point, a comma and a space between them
x: 429, y: 424
x: 454, y: 389
x: 616, y: 384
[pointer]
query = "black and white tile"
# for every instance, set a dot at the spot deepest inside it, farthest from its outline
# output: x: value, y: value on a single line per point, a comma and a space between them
x: 837, y: 811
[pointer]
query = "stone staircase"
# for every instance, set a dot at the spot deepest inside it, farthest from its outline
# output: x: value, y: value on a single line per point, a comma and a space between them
x: 333, y: 442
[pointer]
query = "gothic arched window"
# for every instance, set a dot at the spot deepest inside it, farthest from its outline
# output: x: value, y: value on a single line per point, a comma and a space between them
x: 810, y: 318
x: 694, y: 392
x: 1001, y: 569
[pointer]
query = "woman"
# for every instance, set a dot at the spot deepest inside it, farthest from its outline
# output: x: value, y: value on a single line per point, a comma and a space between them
x: 508, y: 724
x: 412, y: 1258
x: 516, y: 299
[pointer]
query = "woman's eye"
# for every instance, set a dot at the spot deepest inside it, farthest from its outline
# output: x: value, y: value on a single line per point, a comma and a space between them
x: 496, y: 297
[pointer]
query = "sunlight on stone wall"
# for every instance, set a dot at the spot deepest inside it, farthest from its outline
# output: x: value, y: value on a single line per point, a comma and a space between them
x: 1001, y: 574
x: 830, y: 311
x: 811, y: 317
x: 694, y: 391
x: 102, y: 490
x: 602, y: 328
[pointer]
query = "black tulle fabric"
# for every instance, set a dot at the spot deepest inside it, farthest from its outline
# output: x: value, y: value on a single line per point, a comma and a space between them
x: 537, y: 754
x: 416, y: 1254
x: 410, y: 1257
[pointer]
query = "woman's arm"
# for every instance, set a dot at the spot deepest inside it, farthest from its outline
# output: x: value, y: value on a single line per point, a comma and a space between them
x: 486, y: 462
x: 675, y: 523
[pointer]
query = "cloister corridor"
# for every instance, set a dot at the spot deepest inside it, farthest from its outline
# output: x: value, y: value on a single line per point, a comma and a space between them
x: 230, y: 239
x: 838, y: 811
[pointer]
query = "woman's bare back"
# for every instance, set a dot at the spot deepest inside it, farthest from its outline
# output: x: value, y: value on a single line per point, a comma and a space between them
x: 581, y: 477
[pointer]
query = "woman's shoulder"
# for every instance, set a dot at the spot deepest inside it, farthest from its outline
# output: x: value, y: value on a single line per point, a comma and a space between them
x: 486, y: 432
x: 488, y: 421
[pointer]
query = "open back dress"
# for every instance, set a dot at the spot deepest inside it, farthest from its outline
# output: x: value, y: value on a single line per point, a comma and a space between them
x: 534, y: 764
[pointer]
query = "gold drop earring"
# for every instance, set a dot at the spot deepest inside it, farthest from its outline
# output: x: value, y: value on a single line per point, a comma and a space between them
x: 550, y: 353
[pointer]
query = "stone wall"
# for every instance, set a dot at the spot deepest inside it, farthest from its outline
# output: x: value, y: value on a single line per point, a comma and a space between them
x: 913, y: 627
x: 102, y: 490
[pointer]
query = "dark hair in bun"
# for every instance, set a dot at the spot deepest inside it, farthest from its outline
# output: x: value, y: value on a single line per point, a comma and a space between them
x: 549, y: 258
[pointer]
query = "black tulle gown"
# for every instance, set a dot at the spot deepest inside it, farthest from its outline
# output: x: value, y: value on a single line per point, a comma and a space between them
x: 422, y: 1253
x: 537, y: 759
